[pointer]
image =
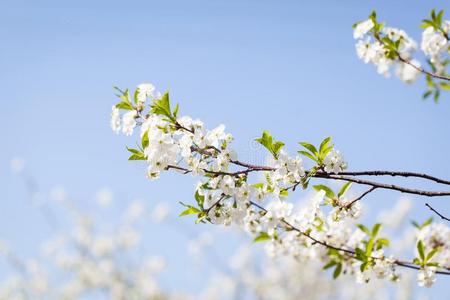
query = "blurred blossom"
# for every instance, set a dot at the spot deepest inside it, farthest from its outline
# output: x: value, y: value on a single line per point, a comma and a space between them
x: 155, y: 264
x: 104, y: 197
x: 17, y: 164
x: 135, y: 211
x: 160, y: 212
x: 58, y: 194
x: 393, y: 218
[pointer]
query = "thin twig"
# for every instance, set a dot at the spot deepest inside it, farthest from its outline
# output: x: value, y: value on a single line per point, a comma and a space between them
x: 362, y: 195
x: 436, y: 212
x: 420, y: 69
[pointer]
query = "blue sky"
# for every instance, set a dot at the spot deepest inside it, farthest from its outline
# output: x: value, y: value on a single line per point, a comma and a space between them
x: 286, y: 66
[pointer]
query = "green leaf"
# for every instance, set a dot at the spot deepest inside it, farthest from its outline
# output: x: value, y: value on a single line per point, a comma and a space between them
x: 310, y: 147
x: 136, y: 154
x: 190, y: 211
x: 415, y: 224
x: 140, y: 156
x: 421, y: 250
x: 199, y: 198
x: 329, y: 265
x: 267, y: 141
x: 136, y: 96
x: 439, y: 17
x: 328, y: 192
x: 426, y: 94
x: 201, y: 217
x: 363, y: 266
x: 337, y: 271
x: 176, y: 109
x: 344, y: 188
x: 308, y: 155
x: 436, y: 95
x: 324, y: 144
x: 445, y: 86
x: 369, y: 247
x: 284, y: 193
x: 144, y: 140
x: 162, y: 107
x: 360, y: 255
x: 382, y: 243
x: 431, y: 254
x: 124, y: 105
x: 258, y: 185
x: 263, y: 236
x: 376, y: 228
x: 277, y: 147
x: 364, y: 229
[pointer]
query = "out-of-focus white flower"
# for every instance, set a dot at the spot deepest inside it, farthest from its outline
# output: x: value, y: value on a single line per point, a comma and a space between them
x: 433, y: 42
x: 408, y: 73
x: 58, y: 194
x: 362, y: 28
x: 426, y: 277
x: 104, y: 197
x: 135, y: 210
x: 145, y: 90
x: 129, y: 122
x: 115, y: 119
x: 160, y: 212
x: 17, y: 164
x: 155, y: 264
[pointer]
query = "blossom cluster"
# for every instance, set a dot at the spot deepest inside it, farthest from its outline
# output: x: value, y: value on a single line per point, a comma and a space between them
x: 228, y: 194
x: 88, y: 261
x: 391, y: 48
x: 371, y: 48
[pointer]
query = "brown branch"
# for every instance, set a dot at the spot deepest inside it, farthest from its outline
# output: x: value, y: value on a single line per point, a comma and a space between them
x: 321, y: 174
x: 214, y: 204
x: 352, y: 252
x: 408, y: 62
x: 437, y: 213
x: 396, y: 173
x: 384, y: 185
x: 422, y: 70
x: 362, y: 196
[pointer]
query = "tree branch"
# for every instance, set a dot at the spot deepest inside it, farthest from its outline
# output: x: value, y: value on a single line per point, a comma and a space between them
x: 351, y: 252
x: 437, y: 213
x: 422, y: 70
x: 385, y: 186
x: 362, y: 195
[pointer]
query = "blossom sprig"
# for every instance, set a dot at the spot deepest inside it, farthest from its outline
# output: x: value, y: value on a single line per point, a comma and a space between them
x: 228, y: 193
x: 388, y: 48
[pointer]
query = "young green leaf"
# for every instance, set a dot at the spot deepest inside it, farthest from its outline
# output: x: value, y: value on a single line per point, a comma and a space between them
x: 376, y: 228
x: 337, y: 271
x: 421, y: 250
x: 344, y: 189
x: 329, y: 265
x: 267, y: 141
x: 310, y: 147
x: 328, y: 192
x: 364, y: 229
x: 190, y: 211
x: 263, y: 236
x: 308, y: 155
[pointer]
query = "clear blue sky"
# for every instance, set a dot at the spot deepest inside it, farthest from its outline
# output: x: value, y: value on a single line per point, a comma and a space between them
x: 286, y: 66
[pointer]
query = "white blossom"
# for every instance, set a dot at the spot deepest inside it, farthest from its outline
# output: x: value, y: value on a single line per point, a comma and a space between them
x: 362, y: 28
x: 129, y: 122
